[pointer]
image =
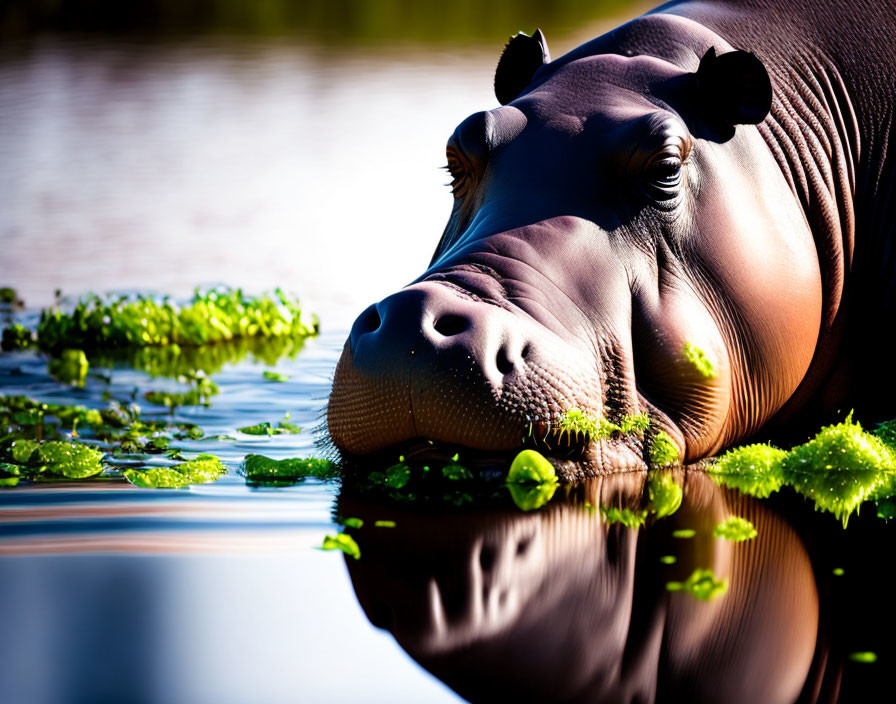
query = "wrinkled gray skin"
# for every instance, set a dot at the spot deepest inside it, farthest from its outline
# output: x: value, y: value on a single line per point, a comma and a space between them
x: 612, y: 213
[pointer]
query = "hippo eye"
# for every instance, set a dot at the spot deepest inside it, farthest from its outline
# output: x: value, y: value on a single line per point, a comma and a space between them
x: 663, y: 175
x: 460, y: 173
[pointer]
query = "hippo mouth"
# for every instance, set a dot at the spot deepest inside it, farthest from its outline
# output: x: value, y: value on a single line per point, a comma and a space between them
x: 433, y: 372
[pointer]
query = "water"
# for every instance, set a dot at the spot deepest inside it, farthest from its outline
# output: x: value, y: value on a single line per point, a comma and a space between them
x: 307, y: 155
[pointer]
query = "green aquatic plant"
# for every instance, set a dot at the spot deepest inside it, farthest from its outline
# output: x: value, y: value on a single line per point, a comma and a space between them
x: 17, y: 337
x: 752, y: 469
x: 275, y: 376
x: 282, y: 428
x: 531, y: 480
x: 54, y: 458
x: 735, y: 529
x: 664, y: 492
x: 702, y: 583
x: 668, y: 559
x: 263, y: 470
x: 200, y: 470
x: 352, y: 522
x: 218, y: 315
x: 343, y: 542
x: 384, y: 524
x: 699, y: 359
x: 684, y: 533
x: 662, y: 450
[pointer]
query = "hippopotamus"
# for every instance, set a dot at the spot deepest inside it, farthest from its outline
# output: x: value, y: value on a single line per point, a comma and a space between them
x: 664, y: 222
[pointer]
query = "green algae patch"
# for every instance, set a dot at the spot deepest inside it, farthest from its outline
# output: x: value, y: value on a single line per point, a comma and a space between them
x: 623, y: 516
x: 841, y: 467
x: 865, y: 656
x: 637, y: 423
x: 662, y: 450
x: 699, y: 359
x: 343, y: 542
x: 702, y: 584
x: 200, y: 470
x: 665, y: 494
x: 70, y: 367
x: 263, y: 470
x: 684, y: 533
x: 531, y: 480
x: 213, y: 316
x: 275, y: 376
x: 735, y: 529
x: 752, y: 469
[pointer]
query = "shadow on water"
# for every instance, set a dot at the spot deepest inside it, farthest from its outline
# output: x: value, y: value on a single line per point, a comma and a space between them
x: 560, y: 605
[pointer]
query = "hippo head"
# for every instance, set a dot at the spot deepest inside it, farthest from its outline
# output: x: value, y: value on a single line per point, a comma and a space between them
x: 621, y: 242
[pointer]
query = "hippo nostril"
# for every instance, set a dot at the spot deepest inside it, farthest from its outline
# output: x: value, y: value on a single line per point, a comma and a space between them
x: 449, y: 325
x: 505, y: 366
x: 369, y: 320
x: 525, y: 353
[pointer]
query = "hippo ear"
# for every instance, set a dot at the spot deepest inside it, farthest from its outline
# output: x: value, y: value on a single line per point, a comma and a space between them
x: 734, y: 88
x: 523, y: 56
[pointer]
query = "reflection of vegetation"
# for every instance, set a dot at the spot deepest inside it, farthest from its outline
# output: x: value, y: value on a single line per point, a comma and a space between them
x: 70, y: 366
x: 174, y: 361
x: 702, y: 584
x: 630, y: 518
x: 735, y: 529
x: 331, y: 21
x: 664, y: 492
x: 838, y: 469
x: 219, y: 315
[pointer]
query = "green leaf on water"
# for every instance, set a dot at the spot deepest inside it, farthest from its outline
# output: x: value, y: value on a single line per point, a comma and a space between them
x: 275, y: 376
x: 532, y: 480
x: 263, y: 470
x: 200, y: 470
x: 343, y: 542
x: 70, y: 460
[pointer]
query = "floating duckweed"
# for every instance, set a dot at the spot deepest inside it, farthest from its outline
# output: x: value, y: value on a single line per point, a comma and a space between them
x: 736, y: 529
x: 71, y: 367
x: 200, y: 470
x: 866, y: 656
x: 384, y: 524
x: 16, y: 337
x: 263, y: 470
x: 751, y: 469
x: 664, y: 492
x: 838, y: 572
x: 702, y: 584
x: 699, y: 359
x: 275, y: 376
x: 684, y: 533
x: 668, y: 559
x: 624, y: 516
x: 531, y: 480
x: 636, y: 423
x: 343, y: 542
x: 662, y: 450
x: 210, y: 317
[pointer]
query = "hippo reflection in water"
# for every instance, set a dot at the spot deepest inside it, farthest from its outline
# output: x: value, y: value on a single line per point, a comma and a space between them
x: 559, y: 606
x: 710, y: 182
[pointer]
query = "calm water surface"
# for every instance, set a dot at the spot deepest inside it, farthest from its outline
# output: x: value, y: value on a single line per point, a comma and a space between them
x: 161, y: 165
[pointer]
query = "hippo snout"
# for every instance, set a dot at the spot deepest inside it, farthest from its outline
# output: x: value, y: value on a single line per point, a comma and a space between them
x: 433, y: 362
